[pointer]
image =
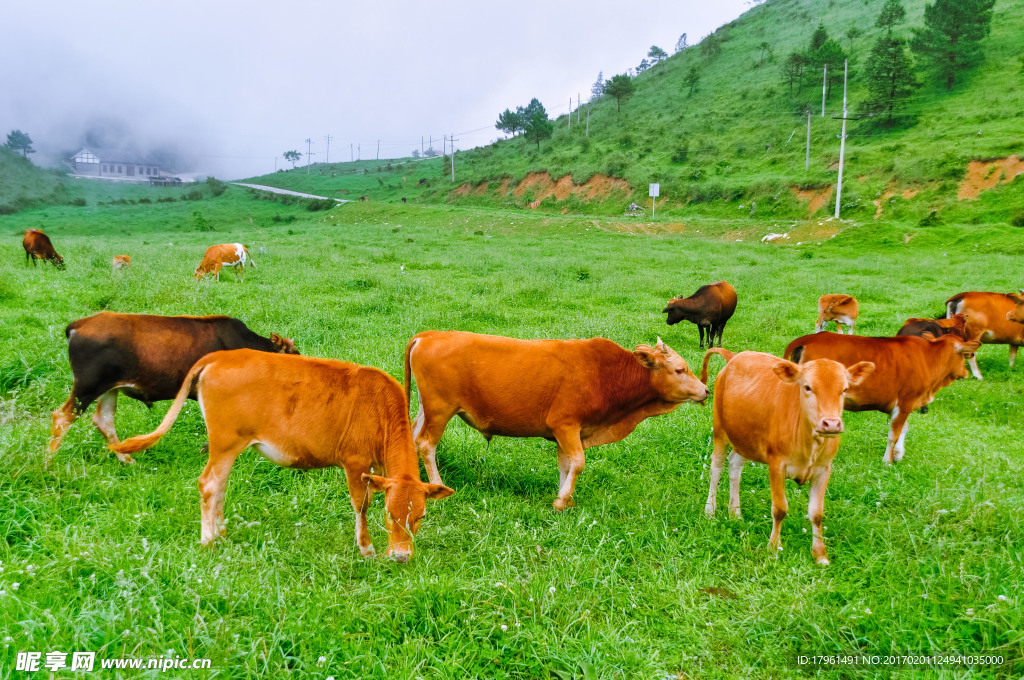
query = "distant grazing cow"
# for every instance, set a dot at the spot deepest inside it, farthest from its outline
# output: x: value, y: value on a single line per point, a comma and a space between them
x: 306, y: 413
x: 1017, y: 313
x: 121, y: 262
x: 364, y: 198
x: 404, y: 199
x: 38, y: 247
x: 231, y: 254
x: 144, y: 357
x: 990, y: 314
x: 710, y: 308
x: 956, y: 325
x: 908, y: 373
x: 785, y: 416
x: 579, y: 393
x: 839, y: 308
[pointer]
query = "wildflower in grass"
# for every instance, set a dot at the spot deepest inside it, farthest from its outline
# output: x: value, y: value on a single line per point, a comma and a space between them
x: 970, y: 611
x: 504, y: 628
x: 867, y: 611
x: 1002, y: 598
x: 15, y: 585
x: 321, y: 660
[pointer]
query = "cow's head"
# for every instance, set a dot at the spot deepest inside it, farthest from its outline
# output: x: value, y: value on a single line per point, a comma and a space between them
x: 283, y: 345
x: 57, y: 260
x: 955, y: 350
x: 679, y: 309
x: 405, y: 499
x: 1017, y: 313
x: 671, y: 378
x: 823, y: 384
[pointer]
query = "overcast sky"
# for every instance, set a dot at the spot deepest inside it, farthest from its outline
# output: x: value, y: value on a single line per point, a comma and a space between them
x: 234, y: 84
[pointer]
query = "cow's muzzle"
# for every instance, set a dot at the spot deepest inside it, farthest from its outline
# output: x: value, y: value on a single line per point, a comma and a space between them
x: 830, y: 427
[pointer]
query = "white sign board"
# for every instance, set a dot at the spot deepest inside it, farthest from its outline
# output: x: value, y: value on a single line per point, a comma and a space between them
x: 655, y: 189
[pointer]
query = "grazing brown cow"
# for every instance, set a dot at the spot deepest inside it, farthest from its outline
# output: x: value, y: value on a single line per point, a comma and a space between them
x: 231, y: 254
x: 145, y: 357
x: 785, y: 416
x: 956, y: 325
x: 710, y: 308
x: 908, y: 372
x: 121, y: 262
x: 305, y: 413
x: 38, y: 247
x: 580, y: 393
x: 989, y: 312
x: 839, y: 308
x: 1017, y: 313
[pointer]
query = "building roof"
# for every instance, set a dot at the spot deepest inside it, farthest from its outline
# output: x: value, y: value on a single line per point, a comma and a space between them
x: 118, y: 156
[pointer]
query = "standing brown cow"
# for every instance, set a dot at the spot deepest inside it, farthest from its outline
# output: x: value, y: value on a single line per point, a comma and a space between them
x: 710, y: 308
x: 990, y: 314
x: 839, y: 308
x: 1017, y: 313
x: 38, y: 247
x: 231, y: 254
x: 579, y: 393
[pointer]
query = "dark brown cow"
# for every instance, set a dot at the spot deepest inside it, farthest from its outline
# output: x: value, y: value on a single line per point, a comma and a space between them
x: 306, y: 413
x: 908, y: 372
x: 956, y: 325
x: 990, y: 313
x: 38, y: 247
x: 579, y: 393
x: 710, y: 308
x: 785, y: 416
x: 145, y: 357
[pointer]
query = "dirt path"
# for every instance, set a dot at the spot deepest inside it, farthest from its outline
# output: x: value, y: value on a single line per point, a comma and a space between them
x: 275, y: 190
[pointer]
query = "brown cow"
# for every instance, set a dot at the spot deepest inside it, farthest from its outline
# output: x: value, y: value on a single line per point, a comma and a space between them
x: 989, y: 312
x: 710, y: 308
x: 785, y: 416
x: 121, y: 262
x: 956, y: 325
x: 306, y: 413
x: 231, y: 254
x: 580, y: 393
x: 908, y: 372
x: 38, y: 247
x: 144, y: 357
x: 1017, y: 313
x: 839, y: 308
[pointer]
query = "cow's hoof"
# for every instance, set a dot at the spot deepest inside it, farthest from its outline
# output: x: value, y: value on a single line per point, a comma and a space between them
x: 561, y: 504
x: 823, y: 561
x: 126, y: 458
x: 368, y: 551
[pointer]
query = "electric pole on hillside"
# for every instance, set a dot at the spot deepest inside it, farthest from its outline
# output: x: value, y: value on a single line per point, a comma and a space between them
x: 570, y: 113
x: 588, y: 121
x: 453, y: 140
x: 378, y: 149
x: 824, y: 79
x: 842, y: 146
x: 351, y: 153
x: 309, y: 142
x: 578, y: 105
x: 359, y: 151
x: 421, y: 145
x: 327, y: 157
x: 807, y: 163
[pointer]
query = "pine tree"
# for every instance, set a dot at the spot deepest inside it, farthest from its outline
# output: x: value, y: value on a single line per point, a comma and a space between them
x: 890, y: 76
x: 20, y: 141
x: 620, y: 87
x: 597, y: 89
x: 818, y: 38
x: 951, y: 34
x: 681, y: 43
x: 692, y: 78
x: 892, y: 13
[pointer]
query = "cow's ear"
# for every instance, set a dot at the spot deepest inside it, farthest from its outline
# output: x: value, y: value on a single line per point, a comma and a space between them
x: 787, y: 371
x: 1016, y: 298
x: 376, y: 482
x: 968, y: 347
x: 928, y: 336
x: 645, y: 355
x: 859, y: 371
x: 438, y: 491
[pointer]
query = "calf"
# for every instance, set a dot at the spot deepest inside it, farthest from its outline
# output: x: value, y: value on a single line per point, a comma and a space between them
x: 955, y: 325
x: 121, y: 262
x: 990, y: 314
x: 232, y: 254
x: 909, y: 371
x: 306, y: 413
x: 710, y: 308
x: 38, y: 247
x: 785, y: 416
x: 579, y: 393
x: 839, y: 308
x: 144, y: 357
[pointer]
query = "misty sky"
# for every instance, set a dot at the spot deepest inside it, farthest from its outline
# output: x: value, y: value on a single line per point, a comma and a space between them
x: 232, y: 85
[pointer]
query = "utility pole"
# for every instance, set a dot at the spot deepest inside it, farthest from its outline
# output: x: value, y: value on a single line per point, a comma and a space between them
x: 421, y: 145
x: 351, y: 153
x: 308, y: 143
x: 588, y: 121
x: 359, y: 152
x: 807, y: 163
x: 578, y: 105
x: 842, y: 146
x: 453, y: 156
x: 378, y: 149
x: 570, y: 113
x: 824, y: 79
x: 327, y: 158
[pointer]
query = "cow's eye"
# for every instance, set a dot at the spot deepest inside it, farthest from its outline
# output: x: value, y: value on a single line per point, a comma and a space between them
x: 679, y: 371
x: 807, y: 388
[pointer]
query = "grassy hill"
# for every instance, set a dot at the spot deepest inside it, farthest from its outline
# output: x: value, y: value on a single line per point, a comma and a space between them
x: 24, y: 185
x: 739, y: 136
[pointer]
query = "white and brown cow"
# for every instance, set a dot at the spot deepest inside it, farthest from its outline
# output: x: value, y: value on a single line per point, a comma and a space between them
x: 785, y: 416
x: 579, y: 393
x: 990, y: 313
x: 839, y: 308
x: 120, y: 262
x: 231, y: 254
x: 306, y: 413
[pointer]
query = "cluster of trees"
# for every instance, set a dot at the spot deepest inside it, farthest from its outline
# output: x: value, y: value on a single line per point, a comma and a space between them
x: 948, y: 43
x: 531, y: 120
x: 19, y: 142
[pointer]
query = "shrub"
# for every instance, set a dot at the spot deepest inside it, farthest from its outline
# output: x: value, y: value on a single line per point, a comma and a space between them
x: 1018, y: 220
x: 216, y: 186
x: 194, y: 195
x: 200, y: 223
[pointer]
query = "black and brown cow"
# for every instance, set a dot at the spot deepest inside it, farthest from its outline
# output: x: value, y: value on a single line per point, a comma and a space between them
x: 710, y: 307
x: 37, y: 246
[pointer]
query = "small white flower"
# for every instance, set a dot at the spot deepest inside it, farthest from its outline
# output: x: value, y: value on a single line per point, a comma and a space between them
x: 867, y: 611
x: 878, y: 504
x: 1002, y: 598
x: 322, y: 659
x: 499, y: 584
x: 551, y: 590
x: 970, y: 612
x: 503, y: 627
x: 15, y: 585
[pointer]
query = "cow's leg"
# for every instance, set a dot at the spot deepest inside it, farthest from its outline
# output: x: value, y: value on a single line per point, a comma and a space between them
x: 1013, y: 354
x: 777, y: 481
x: 852, y: 322
x: 62, y: 420
x: 103, y: 419
x: 427, y: 432
x: 717, y: 465
x: 571, y: 460
x: 816, y: 513
x: 736, y: 464
x: 361, y: 495
x: 700, y: 331
x: 973, y: 361
x: 897, y: 431
x: 214, y: 481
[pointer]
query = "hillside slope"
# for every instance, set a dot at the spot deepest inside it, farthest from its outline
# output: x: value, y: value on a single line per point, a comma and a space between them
x: 738, y: 138
x: 24, y: 185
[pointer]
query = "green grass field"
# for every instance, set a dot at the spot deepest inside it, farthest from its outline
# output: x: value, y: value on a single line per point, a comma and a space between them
x: 926, y: 556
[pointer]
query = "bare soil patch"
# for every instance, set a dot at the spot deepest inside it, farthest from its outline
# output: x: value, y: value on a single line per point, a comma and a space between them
x: 815, y: 197
x: 985, y: 175
x: 596, y: 188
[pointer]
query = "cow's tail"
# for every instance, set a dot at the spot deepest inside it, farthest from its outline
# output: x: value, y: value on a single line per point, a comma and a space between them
x: 408, y: 371
x: 794, y: 354
x: 249, y: 255
x: 953, y: 305
x: 724, y: 353
x: 144, y: 441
